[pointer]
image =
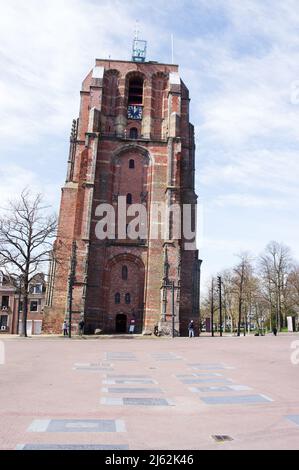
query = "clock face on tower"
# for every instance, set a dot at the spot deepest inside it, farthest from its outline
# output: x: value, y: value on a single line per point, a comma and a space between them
x: 134, y: 111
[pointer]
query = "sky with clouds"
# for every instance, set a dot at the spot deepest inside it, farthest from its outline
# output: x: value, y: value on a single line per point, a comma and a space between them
x: 240, y: 60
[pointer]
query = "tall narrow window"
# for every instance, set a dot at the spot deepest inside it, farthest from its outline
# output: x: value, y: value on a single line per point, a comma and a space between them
x: 128, y: 298
x: 135, y: 91
x: 133, y: 133
x: 131, y: 163
x: 5, y: 301
x: 129, y: 198
x: 33, y: 306
x: 117, y: 298
x: 124, y: 273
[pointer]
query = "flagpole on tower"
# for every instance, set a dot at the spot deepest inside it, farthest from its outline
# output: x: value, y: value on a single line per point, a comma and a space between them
x: 172, y: 48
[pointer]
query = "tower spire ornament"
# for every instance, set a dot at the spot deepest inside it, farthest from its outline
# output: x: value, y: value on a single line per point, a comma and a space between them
x: 139, y: 47
x: 136, y: 32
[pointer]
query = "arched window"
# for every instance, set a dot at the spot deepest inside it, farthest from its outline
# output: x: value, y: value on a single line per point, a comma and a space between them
x: 131, y: 163
x: 124, y: 273
x: 135, y: 96
x: 129, y: 198
x: 133, y: 133
x: 117, y: 298
x: 128, y: 298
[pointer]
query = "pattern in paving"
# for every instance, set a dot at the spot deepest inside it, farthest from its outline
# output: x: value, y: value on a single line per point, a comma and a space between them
x: 235, y: 399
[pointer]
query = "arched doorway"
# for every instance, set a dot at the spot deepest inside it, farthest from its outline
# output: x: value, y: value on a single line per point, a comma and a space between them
x: 121, y: 323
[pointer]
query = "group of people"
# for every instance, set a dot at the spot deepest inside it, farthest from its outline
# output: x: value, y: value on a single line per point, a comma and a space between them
x: 81, y: 324
x: 65, y: 327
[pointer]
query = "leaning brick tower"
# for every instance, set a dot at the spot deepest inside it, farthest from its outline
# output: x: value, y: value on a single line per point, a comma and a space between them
x: 132, y: 139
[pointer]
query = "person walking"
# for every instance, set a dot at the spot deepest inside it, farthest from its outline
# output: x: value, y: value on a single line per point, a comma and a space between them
x: 81, y: 327
x: 64, y: 328
x: 274, y: 331
x: 191, y: 329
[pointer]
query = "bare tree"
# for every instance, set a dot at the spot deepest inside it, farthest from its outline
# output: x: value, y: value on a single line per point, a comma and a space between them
x: 26, y: 231
x: 241, y: 280
x: 229, y: 301
x: 293, y: 292
x: 275, y: 266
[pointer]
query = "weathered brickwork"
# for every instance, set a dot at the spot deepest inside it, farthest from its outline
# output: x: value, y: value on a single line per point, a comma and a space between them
x: 147, y: 159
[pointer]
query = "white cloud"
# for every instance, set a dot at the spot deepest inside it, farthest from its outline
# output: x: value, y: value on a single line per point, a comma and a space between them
x: 15, y: 178
x: 264, y: 169
x: 46, y: 49
x: 249, y: 201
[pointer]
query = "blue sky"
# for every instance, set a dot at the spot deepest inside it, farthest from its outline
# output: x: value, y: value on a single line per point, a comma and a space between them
x: 240, y: 62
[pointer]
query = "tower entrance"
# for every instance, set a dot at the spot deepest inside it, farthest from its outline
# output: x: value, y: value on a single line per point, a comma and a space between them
x: 121, y: 323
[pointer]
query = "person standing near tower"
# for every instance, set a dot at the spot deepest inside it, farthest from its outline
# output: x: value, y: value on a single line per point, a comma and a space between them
x: 64, y: 328
x: 191, y: 329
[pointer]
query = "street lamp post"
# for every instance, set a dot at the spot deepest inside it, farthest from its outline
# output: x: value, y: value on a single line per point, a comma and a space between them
x: 199, y: 292
x: 71, y: 283
x: 212, y: 308
x: 171, y: 286
x: 220, y: 302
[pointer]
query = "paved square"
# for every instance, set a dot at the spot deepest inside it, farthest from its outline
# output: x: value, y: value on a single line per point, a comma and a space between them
x: 219, y: 387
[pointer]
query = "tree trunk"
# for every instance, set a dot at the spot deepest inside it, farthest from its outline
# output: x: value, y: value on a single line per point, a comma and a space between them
x: 25, y: 311
x: 240, y: 317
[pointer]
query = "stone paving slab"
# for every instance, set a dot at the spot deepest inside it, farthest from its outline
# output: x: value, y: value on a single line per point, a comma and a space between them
x: 213, y: 379
x: 224, y: 388
x: 71, y: 447
x: 128, y: 381
x: 198, y: 374
x: 160, y: 357
x: 91, y: 369
x: 121, y: 357
x: 76, y: 425
x: 131, y: 390
x: 236, y: 400
x: 127, y: 376
x: 207, y: 366
x: 129, y: 401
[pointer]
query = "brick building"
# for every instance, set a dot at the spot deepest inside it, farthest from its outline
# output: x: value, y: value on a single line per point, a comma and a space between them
x: 11, y: 305
x: 133, y: 139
